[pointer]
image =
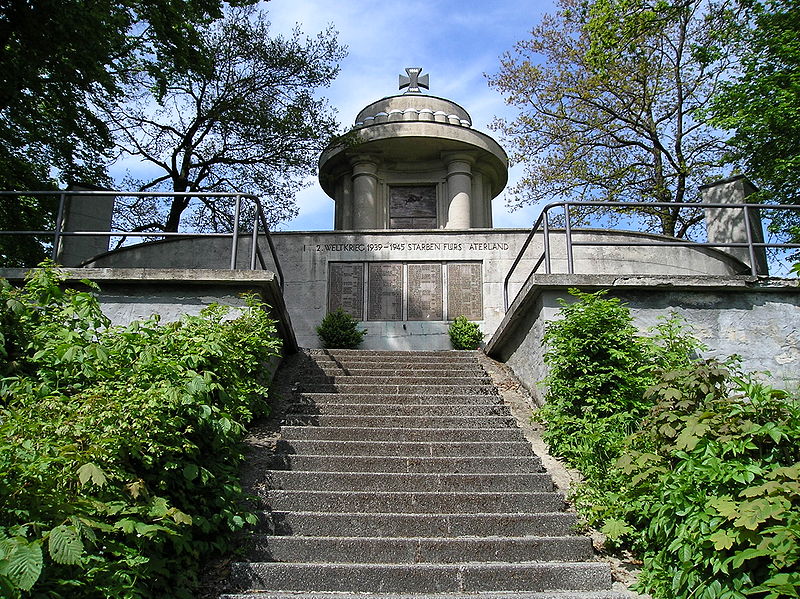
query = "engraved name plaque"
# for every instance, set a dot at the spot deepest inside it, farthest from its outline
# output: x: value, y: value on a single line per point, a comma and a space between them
x: 412, y: 207
x: 385, y: 291
x: 425, y: 292
x: 346, y: 288
x: 464, y: 291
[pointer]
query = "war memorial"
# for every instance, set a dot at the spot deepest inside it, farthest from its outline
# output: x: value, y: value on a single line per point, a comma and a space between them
x: 407, y: 470
x: 413, y: 246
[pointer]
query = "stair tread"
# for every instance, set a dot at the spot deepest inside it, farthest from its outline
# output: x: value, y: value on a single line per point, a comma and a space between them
x: 409, y: 478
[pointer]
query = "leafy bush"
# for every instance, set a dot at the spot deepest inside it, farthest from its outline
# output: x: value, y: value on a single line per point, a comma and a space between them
x: 120, y: 447
x: 706, y: 488
x: 710, y: 488
x: 599, y: 369
x: 340, y: 330
x: 465, y: 334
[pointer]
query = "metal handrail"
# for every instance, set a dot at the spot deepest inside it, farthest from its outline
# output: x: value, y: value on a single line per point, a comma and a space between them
x: 59, y: 232
x: 543, y: 223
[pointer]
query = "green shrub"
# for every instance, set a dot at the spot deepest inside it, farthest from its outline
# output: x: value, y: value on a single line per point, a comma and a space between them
x: 340, y: 330
x: 120, y: 446
x: 599, y: 369
x: 711, y: 488
x: 465, y: 334
x: 706, y: 488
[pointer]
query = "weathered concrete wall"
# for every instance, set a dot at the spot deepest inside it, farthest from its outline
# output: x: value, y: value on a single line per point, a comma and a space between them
x: 129, y: 294
x: 757, y: 318
x: 305, y: 260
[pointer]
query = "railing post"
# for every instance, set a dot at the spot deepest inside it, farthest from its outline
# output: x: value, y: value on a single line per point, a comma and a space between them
x: 235, y: 241
x: 59, y: 225
x: 568, y: 239
x: 546, y: 229
x: 254, y: 244
x: 749, y: 233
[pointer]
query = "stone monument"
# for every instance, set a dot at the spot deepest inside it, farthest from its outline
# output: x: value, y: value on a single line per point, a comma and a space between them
x: 415, y: 163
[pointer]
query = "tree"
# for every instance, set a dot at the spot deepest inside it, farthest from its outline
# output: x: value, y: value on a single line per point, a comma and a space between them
x: 626, y: 127
x: 762, y: 104
x: 59, y: 61
x: 251, y: 123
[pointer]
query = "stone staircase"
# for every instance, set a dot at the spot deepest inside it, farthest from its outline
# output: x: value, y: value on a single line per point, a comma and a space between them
x: 402, y: 473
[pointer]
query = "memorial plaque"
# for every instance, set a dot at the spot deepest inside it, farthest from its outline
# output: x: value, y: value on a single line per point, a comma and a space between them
x: 346, y: 288
x: 465, y: 290
x: 412, y: 207
x: 425, y: 292
x: 385, y: 291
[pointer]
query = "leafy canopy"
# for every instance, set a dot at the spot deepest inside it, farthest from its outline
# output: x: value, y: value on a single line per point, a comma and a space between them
x: 252, y: 123
x: 761, y: 104
x: 617, y: 119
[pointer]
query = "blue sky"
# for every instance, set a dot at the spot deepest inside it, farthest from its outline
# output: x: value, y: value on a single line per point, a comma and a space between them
x: 457, y: 43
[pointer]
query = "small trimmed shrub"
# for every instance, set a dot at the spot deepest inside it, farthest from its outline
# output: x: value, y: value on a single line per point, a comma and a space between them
x: 465, y: 334
x: 339, y: 330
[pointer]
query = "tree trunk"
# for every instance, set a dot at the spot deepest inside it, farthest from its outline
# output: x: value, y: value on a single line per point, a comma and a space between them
x: 177, y: 207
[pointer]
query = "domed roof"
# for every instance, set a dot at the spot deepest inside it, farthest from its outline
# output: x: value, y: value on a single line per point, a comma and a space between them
x: 414, y: 127
x: 413, y: 107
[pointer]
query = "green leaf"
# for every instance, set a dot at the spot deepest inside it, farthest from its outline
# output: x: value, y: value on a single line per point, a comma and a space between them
x: 180, y: 517
x: 65, y: 545
x: 747, y: 554
x: 147, y: 530
x: 93, y: 472
x: 24, y: 565
x: 725, y: 506
x: 69, y: 355
x: 752, y: 513
x: 615, y: 528
x: 190, y: 471
x: 126, y: 525
x: 691, y: 435
x: 722, y: 540
x: 159, y: 507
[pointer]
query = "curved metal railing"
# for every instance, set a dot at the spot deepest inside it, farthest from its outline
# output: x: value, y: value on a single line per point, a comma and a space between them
x: 259, y: 224
x: 543, y: 223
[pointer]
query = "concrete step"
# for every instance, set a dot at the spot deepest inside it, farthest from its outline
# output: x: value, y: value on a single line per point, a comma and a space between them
x: 422, y: 578
x: 398, y: 389
x: 419, y: 399
x: 392, y: 420
x: 390, y: 355
x: 333, y: 406
x: 412, y: 502
x: 381, y: 378
x: 419, y: 549
x: 395, y: 433
x: 347, y: 365
x: 396, y: 481
x: 473, y: 595
x: 425, y: 370
x: 329, y: 524
x: 372, y: 463
x: 406, y: 448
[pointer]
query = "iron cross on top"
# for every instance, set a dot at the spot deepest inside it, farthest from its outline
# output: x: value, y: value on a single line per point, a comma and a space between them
x: 413, y: 82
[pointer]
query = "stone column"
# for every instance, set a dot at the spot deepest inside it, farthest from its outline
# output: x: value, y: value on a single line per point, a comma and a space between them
x: 85, y: 213
x: 365, y: 194
x: 727, y: 225
x: 459, y: 188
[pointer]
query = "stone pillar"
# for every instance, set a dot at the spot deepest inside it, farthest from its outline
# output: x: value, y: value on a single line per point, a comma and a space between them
x: 459, y: 189
x: 365, y: 194
x: 85, y: 213
x: 727, y: 225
